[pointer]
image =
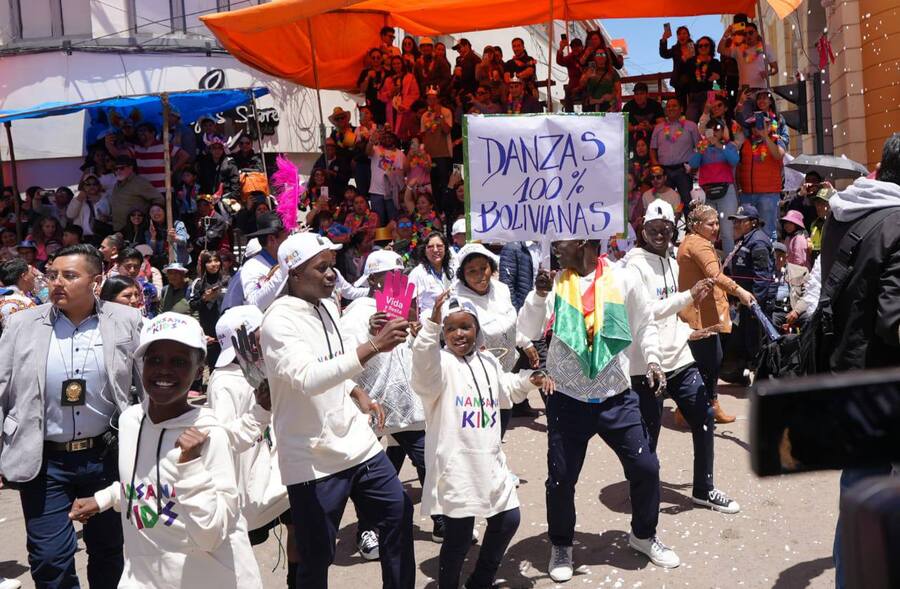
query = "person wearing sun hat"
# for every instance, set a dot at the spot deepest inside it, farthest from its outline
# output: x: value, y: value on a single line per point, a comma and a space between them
x: 799, y: 249
x: 189, y: 531
x: 327, y: 449
x: 260, y: 278
x: 436, y: 124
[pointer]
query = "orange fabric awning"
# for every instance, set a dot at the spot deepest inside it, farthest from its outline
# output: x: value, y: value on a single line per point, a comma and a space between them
x: 275, y: 37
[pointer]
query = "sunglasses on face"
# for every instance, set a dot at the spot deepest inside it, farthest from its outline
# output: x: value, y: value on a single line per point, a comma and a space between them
x: 707, y: 45
x: 404, y: 225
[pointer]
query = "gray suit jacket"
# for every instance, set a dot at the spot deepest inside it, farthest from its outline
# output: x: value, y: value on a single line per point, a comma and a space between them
x: 23, y: 370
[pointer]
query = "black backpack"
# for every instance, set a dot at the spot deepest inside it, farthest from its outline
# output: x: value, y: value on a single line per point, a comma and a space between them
x: 808, y: 352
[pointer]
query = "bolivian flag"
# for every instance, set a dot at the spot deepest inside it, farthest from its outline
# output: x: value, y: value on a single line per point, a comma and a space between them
x: 593, y: 325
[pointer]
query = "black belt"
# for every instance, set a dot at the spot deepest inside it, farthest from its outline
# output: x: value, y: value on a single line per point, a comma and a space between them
x: 76, y: 445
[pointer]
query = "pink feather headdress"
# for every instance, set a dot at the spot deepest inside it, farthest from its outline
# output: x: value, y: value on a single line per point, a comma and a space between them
x: 286, y: 188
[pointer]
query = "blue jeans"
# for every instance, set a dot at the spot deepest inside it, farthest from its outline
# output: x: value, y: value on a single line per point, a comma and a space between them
x: 570, y: 426
x: 46, y: 502
x: 707, y: 353
x: 688, y: 391
x: 458, y: 539
x: 727, y: 205
x: 767, y: 205
x: 385, y: 208
x: 849, y: 478
x: 412, y: 444
x: 317, y: 507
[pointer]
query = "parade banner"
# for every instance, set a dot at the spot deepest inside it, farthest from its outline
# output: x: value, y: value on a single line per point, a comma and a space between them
x: 545, y: 177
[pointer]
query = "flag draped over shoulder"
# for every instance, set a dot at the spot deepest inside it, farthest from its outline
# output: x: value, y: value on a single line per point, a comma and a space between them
x: 593, y: 325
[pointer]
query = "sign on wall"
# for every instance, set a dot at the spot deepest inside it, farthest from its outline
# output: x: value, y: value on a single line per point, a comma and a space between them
x: 545, y: 177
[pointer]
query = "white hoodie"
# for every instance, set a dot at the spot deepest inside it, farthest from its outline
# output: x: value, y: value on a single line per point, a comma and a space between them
x: 862, y: 196
x: 184, y: 527
x: 263, y: 496
x: 386, y: 376
x: 310, y: 364
x: 659, y: 275
x: 497, y: 318
x: 467, y: 475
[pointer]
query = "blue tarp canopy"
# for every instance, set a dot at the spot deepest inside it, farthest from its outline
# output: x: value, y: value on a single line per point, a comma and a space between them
x: 191, y: 105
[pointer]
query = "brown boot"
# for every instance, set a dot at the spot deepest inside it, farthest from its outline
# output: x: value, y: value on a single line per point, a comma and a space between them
x: 719, y: 414
x: 679, y: 420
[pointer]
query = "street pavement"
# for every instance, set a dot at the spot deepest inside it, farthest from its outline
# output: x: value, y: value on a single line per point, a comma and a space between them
x: 781, y: 539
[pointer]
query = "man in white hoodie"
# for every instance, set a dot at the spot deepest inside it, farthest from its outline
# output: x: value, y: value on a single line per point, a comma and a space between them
x: 594, y: 397
x: 657, y: 270
x: 866, y: 312
x: 327, y: 449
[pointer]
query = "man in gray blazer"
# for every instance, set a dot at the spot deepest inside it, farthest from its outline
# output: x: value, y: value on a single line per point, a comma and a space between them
x: 66, y: 372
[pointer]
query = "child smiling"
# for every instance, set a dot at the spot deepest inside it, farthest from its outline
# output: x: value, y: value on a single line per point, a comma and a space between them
x: 461, y: 389
x: 178, y: 494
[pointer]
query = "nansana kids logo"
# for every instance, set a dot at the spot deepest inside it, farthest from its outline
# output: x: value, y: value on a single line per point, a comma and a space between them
x: 479, y: 418
x: 146, y: 516
x: 165, y: 323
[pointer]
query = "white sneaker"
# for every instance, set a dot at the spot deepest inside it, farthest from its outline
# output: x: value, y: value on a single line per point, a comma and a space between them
x: 474, y: 535
x: 9, y: 583
x: 560, y: 566
x: 718, y: 501
x: 658, y: 553
x: 368, y: 545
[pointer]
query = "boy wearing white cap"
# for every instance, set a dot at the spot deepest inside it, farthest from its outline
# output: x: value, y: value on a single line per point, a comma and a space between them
x: 653, y: 265
x: 178, y: 492
x: 327, y: 449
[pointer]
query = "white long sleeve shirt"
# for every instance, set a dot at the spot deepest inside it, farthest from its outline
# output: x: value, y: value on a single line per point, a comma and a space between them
x: 563, y: 365
x: 230, y: 396
x: 259, y: 288
x: 310, y: 365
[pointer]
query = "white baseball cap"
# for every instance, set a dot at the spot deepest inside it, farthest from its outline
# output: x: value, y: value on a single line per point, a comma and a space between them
x: 379, y: 261
x: 173, y: 327
x: 253, y: 248
x: 300, y: 247
x: 659, y: 209
x: 459, y: 226
x: 232, y: 319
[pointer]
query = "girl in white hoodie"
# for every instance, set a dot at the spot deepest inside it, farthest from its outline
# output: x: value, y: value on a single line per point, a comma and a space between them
x: 178, y: 493
x: 462, y: 389
x: 496, y: 313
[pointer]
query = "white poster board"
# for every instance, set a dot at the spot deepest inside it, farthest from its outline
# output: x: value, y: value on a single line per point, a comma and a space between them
x: 545, y: 177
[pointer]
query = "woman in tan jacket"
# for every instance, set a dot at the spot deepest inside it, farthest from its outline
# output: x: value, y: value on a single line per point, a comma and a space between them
x: 697, y: 259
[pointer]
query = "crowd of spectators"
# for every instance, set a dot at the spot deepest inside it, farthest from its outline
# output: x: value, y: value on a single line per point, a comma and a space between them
x: 394, y: 177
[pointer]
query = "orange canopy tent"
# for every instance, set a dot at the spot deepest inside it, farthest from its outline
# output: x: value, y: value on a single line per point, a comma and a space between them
x: 320, y: 43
